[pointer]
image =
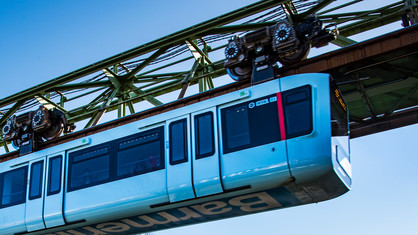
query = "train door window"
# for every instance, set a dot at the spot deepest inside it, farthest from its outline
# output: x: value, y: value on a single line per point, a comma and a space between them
x: 54, y: 175
x: 178, y: 142
x: 13, y: 187
x: 250, y: 124
x: 89, y: 167
x: 204, y: 135
x: 141, y: 153
x: 36, y: 179
x: 298, y: 111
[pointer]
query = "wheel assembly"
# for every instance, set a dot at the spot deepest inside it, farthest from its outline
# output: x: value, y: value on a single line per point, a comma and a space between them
x: 27, y: 130
x: 295, y: 55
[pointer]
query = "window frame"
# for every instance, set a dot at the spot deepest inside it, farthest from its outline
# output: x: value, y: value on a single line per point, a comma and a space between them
x: 293, y: 91
x: 185, y: 142
x: 251, y: 105
x: 41, y: 177
x: 23, y: 200
x: 197, y: 131
x: 117, y: 142
x: 113, y: 148
x: 74, y: 154
x: 49, y: 191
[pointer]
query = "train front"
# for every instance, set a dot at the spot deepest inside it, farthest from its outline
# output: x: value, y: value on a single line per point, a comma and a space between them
x: 317, y: 138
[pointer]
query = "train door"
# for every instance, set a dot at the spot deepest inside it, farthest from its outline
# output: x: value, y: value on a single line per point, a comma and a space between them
x: 54, y: 190
x: 35, y: 201
x: 205, y: 153
x: 44, y: 204
x: 306, y: 108
x: 179, y: 161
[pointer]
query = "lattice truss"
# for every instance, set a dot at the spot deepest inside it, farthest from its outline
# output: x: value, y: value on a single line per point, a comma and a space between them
x: 163, y: 70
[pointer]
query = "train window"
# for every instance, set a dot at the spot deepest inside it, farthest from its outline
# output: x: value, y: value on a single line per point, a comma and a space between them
x: 204, y: 135
x: 178, y: 142
x: 250, y: 124
x: 89, y: 167
x: 141, y: 154
x: 54, y: 175
x: 36, y: 173
x: 339, y: 114
x: 237, y: 127
x: 13, y: 187
x: 297, y: 111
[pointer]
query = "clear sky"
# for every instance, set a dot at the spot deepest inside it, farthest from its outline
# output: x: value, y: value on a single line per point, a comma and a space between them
x: 41, y: 40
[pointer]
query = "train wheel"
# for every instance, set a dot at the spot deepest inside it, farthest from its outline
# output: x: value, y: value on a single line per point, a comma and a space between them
x: 16, y: 143
x: 239, y: 73
x: 300, y: 54
x: 54, y: 130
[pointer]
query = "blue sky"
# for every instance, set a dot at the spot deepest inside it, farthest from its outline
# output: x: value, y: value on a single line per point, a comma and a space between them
x: 41, y: 40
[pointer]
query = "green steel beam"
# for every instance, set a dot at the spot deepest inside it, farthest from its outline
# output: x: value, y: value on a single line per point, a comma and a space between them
x: 339, y: 7
x: 11, y: 111
x: 356, y: 28
x: 146, y: 62
x: 47, y: 103
x: 186, y: 81
x: 169, y: 40
x: 122, y: 83
x: 76, y: 86
x: 237, y: 28
x: 343, y: 41
x: 321, y: 5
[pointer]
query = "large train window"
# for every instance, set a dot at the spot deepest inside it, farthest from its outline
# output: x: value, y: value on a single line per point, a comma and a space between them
x: 204, y: 135
x: 36, y: 179
x: 178, y: 142
x: 54, y: 175
x: 250, y: 124
x: 298, y: 111
x: 117, y: 159
x: 89, y: 167
x: 13, y: 187
x: 141, y: 153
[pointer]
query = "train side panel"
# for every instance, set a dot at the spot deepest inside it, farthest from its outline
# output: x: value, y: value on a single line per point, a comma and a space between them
x: 123, y: 175
x: 313, y: 157
x: 309, y: 153
x: 252, y: 153
x: 127, y: 196
x: 179, y: 159
x: 269, y: 139
x: 13, y: 189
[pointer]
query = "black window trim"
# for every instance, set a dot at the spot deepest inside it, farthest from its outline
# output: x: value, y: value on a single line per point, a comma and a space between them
x: 211, y: 153
x: 159, y: 130
x: 113, y: 147
x: 25, y: 168
x: 31, y: 197
x: 309, y: 98
x: 49, y: 192
x: 71, y: 157
x: 224, y: 131
x: 185, y: 141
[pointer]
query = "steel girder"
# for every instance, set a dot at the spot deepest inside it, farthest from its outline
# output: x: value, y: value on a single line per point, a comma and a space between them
x: 151, y: 70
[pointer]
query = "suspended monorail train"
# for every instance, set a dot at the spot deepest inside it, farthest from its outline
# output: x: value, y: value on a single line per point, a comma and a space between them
x: 278, y: 144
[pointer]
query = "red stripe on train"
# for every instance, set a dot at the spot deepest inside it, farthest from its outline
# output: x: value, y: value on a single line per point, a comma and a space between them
x: 281, y: 116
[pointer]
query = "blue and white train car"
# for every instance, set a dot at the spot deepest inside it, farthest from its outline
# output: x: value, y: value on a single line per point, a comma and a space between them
x: 278, y: 144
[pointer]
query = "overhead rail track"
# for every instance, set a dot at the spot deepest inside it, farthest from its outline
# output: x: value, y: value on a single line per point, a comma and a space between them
x: 347, y: 64
x: 152, y: 74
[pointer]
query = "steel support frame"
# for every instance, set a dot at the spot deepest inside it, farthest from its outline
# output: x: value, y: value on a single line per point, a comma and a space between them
x: 121, y: 90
